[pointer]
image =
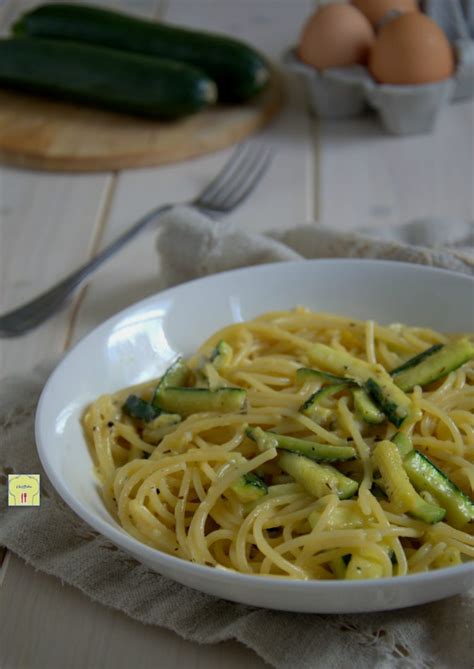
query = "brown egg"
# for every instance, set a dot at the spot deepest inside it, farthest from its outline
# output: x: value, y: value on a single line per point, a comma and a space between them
x: 411, y: 49
x: 375, y: 10
x: 336, y: 36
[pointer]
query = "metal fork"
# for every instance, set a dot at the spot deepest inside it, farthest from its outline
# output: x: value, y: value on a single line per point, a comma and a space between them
x: 234, y: 183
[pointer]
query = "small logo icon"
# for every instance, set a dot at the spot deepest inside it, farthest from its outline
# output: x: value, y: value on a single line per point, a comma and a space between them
x: 23, y: 490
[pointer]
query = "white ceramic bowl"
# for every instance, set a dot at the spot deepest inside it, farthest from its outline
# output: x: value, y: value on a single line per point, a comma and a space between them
x: 139, y: 343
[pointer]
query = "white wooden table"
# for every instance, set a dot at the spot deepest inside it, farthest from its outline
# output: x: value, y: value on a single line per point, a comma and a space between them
x: 344, y: 174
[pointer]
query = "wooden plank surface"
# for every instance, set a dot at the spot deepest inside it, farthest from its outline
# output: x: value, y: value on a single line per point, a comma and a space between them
x: 47, y: 226
x: 344, y: 174
x: 47, y: 134
x: 371, y: 178
x: 46, y: 625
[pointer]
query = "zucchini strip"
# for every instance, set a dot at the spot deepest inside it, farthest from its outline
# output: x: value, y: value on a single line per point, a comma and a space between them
x: 308, y: 407
x: 412, y: 362
x: 373, y: 378
x: 425, y: 475
x: 318, y: 480
x: 366, y: 409
x: 250, y: 488
x: 186, y: 401
x: 310, y: 449
x: 433, y: 364
x: 398, y: 487
x: 135, y: 407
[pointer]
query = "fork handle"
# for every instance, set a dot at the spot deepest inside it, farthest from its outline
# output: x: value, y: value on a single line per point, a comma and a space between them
x: 36, y: 311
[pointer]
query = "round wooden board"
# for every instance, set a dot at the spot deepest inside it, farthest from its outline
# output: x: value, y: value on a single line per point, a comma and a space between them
x: 45, y: 134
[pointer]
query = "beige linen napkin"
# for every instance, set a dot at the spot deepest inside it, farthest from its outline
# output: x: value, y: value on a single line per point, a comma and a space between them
x: 191, y: 245
x: 53, y: 539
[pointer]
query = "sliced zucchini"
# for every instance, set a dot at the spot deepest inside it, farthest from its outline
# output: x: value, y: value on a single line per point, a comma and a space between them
x: 207, y: 374
x: 135, y: 407
x: 366, y: 409
x: 310, y: 449
x: 250, y: 487
x: 308, y: 408
x: 187, y: 401
x: 433, y: 365
x: 264, y: 440
x: 222, y: 355
x: 318, y: 480
x: 427, y: 478
x: 398, y: 487
x: 424, y: 475
x: 376, y: 381
x: 395, y: 406
x: 412, y: 362
x: 176, y: 375
x: 403, y: 443
x: 304, y: 374
x: 315, y: 450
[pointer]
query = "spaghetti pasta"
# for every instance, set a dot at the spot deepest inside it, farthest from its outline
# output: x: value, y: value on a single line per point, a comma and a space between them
x: 211, y: 486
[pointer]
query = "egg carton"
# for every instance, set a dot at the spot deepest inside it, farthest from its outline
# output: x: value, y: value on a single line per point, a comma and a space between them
x: 347, y: 92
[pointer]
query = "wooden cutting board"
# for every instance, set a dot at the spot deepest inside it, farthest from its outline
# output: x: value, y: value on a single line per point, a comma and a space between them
x: 46, y: 134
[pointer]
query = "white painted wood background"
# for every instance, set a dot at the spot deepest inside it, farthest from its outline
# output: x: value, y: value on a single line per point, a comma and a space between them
x: 343, y: 174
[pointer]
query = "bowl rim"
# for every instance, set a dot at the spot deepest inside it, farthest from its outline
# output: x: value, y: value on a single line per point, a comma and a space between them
x: 117, y: 535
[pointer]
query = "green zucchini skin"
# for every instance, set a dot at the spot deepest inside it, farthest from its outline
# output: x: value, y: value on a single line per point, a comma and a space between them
x: 366, y: 409
x: 398, y: 486
x: 186, y: 401
x: 310, y: 449
x: 250, y: 487
x: 238, y: 70
x: 416, y: 359
x: 375, y: 381
x: 102, y: 77
x: 425, y: 475
x: 394, y: 412
x: 317, y: 479
x: 222, y: 354
x: 135, y: 407
x: 433, y: 364
x: 176, y: 375
x: 316, y: 398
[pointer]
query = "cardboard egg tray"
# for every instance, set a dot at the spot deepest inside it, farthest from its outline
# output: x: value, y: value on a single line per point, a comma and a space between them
x: 341, y: 93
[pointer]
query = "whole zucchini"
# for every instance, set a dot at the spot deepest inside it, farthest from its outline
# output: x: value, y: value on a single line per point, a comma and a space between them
x: 238, y: 70
x: 103, y: 77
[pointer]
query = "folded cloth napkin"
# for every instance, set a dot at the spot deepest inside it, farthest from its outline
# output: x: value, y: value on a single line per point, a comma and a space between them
x: 190, y: 245
x: 53, y: 539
